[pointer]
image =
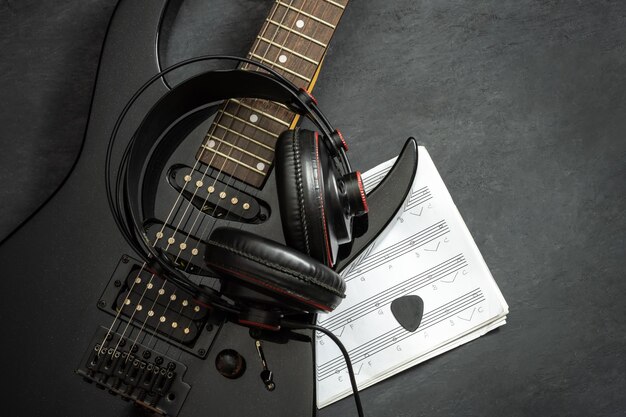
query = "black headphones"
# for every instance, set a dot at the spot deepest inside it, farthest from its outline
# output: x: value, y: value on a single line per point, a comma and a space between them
x: 320, y: 199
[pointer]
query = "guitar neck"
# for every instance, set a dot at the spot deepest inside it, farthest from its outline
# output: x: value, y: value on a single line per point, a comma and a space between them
x: 292, y: 41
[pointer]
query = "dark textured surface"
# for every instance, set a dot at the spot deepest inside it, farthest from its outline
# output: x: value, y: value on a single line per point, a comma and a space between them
x: 521, y: 105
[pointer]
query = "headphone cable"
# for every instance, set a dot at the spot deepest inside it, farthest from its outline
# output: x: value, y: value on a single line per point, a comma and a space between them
x: 296, y: 325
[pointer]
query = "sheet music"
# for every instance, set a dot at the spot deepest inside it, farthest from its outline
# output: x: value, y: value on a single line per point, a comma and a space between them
x: 427, y: 251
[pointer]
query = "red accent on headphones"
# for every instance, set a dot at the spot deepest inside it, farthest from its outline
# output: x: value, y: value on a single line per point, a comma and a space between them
x: 319, y: 170
x: 362, y: 191
x: 343, y: 141
x: 313, y: 99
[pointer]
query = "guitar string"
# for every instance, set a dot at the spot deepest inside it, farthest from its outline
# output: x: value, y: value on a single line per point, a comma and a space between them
x: 215, y: 125
x: 231, y: 177
x: 246, y: 66
x: 199, y: 184
x: 160, y: 233
x: 189, y: 204
x: 280, y: 48
x: 238, y: 194
x: 204, y: 233
x: 171, y: 240
x: 151, y: 278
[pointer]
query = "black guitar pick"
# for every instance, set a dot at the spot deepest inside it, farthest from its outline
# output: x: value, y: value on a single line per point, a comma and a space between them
x: 408, y: 311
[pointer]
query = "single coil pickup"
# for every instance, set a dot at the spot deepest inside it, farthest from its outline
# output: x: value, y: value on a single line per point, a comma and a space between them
x: 214, y: 197
x: 184, y: 249
x: 135, y: 372
x: 156, y: 304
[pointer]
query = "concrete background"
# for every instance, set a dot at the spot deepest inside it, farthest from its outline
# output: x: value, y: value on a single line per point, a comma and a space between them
x: 522, y: 106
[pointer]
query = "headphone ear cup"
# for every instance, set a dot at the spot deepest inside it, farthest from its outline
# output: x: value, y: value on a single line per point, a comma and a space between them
x: 300, y: 185
x: 293, y: 278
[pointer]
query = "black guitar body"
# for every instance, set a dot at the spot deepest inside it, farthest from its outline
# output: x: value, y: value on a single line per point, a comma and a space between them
x: 73, y: 266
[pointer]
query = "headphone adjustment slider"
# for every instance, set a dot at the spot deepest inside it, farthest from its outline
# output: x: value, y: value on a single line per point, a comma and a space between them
x: 307, y: 97
x: 338, y: 140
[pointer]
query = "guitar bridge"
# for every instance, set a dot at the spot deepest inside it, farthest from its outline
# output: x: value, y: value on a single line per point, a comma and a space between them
x: 135, y: 373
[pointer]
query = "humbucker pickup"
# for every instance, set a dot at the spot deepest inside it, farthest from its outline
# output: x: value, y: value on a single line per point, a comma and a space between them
x: 156, y: 306
x: 135, y: 372
x: 161, y: 306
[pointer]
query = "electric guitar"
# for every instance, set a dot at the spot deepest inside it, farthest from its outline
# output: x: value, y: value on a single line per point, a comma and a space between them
x: 84, y: 289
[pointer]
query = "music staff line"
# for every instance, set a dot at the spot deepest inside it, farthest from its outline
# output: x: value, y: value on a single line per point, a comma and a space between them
x: 372, y: 181
x: 406, y: 245
x: 410, y: 285
x: 397, y: 334
x: 418, y: 197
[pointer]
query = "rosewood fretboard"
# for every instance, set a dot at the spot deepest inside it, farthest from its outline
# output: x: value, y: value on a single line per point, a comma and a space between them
x: 293, y: 41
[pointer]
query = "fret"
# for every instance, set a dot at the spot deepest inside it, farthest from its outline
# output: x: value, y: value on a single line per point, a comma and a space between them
x: 293, y: 41
x: 275, y: 65
x: 276, y: 119
x: 230, y: 158
x: 303, y: 13
x: 241, y: 135
x: 263, y: 106
x: 300, y: 34
x: 232, y: 116
x: 342, y: 7
x: 283, y: 106
x: 222, y: 140
x: 291, y: 51
x: 297, y: 70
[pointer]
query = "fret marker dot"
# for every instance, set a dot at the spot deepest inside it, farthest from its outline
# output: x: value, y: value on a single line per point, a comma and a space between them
x: 211, y: 144
x: 260, y: 166
x: 139, y: 307
x: 196, y: 309
x: 174, y: 325
x: 150, y: 313
x: 234, y: 200
x: 159, y: 235
x: 149, y: 286
x: 300, y: 24
x: 161, y: 291
x: 210, y: 189
x: 185, y: 303
x: 127, y: 302
x: 183, y: 246
x: 187, y: 178
x: 199, y: 184
x: 222, y: 194
x: 171, y: 241
x: 173, y: 297
x: 282, y: 59
x: 254, y: 118
x: 186, y: 331
x: 162, y: 319
x: 194, y: 251
x: 137, y: 280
